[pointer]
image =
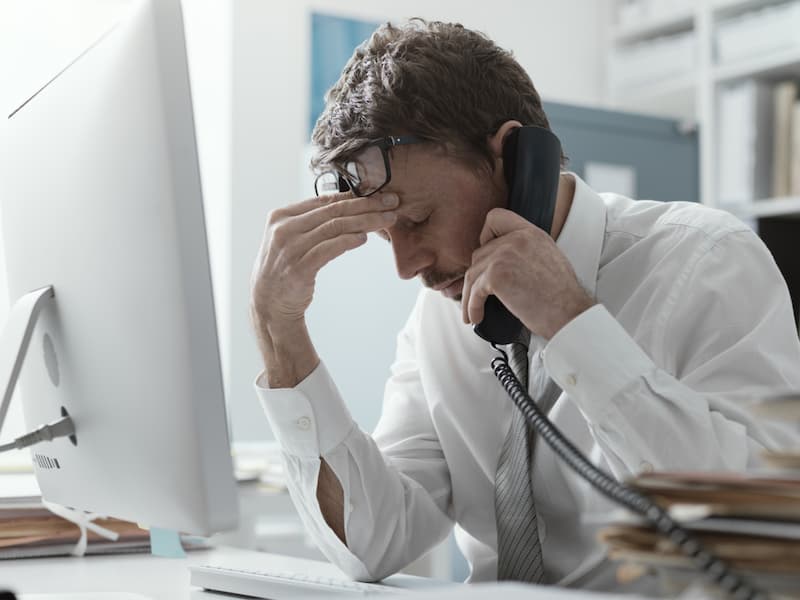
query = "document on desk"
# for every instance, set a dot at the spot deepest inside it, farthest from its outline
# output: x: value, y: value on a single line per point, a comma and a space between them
x: 19, y: 489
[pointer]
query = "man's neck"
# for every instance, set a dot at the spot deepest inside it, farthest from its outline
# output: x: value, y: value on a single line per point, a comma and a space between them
x: 566, y: 191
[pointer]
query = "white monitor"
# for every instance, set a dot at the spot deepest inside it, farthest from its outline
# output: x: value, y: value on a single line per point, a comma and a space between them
x: 101, y: 200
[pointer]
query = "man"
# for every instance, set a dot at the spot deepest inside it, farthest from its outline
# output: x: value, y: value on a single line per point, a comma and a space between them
x: 659, y: 321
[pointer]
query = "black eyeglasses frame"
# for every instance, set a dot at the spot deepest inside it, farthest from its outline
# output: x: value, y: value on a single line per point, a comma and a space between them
x: 384, y: 144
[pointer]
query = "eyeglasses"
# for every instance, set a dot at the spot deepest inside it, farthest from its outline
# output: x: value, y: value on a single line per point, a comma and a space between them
x: 368, y: 172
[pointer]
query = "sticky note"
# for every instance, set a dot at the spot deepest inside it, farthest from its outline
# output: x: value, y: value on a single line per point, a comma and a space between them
x: 166, y: 542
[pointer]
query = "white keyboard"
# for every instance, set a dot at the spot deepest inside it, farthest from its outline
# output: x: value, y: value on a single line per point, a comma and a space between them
x: 277, y: 585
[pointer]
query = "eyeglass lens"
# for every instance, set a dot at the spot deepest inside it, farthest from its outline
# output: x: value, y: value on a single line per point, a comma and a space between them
x: 365, y: 174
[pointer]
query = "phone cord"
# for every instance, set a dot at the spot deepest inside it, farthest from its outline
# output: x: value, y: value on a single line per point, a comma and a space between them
x: 715, y: 569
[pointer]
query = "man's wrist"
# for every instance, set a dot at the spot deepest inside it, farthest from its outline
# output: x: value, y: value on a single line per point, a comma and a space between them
x: 289, y: 356
x: 571, y: 309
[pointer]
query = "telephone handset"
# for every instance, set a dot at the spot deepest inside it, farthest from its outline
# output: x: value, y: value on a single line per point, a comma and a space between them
x: 531, y: 165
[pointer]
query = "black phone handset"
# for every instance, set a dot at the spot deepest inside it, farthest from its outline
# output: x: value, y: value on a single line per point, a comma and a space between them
x: 532, y: 167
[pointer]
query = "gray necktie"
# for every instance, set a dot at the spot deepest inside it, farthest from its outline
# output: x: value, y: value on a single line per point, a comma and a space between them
x: 519, y: 552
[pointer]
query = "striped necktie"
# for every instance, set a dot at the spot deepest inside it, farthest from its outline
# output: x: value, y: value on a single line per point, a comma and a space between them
x: 519, y: 552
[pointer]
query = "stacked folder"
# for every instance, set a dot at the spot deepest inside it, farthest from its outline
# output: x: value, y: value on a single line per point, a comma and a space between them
x: 752, y: 521
x: 34, y: 532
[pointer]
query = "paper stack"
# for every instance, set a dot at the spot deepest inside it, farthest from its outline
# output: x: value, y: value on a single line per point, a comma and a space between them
x: 28, y: 529
x: 31, y: 532
x: 752, y: 522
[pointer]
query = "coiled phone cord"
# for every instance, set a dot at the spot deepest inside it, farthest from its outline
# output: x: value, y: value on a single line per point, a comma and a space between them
x: 715, y: 569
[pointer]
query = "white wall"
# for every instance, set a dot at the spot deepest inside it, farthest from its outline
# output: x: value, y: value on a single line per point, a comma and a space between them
x: 360, y: 304
x: 209, y: 47
x: 250, y: 66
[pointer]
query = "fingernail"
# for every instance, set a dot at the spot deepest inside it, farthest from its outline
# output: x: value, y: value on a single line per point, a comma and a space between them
x: 390, y: 200
x: 389, y: 216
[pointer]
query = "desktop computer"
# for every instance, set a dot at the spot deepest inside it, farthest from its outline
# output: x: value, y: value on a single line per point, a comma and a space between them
x: 112, y: 329
x: 102, y: 210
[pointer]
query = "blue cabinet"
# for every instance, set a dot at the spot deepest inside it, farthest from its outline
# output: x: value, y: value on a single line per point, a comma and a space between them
x: 663, y: 157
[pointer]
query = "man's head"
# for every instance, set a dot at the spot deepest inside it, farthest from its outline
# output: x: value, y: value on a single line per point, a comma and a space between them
x: 457, y: 92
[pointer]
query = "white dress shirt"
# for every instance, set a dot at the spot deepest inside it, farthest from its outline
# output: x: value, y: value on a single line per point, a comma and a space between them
x: 693, y: 323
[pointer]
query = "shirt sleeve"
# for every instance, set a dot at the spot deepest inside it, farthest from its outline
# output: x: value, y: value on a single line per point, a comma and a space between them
x: 396, y: 491
x: 724, y: 337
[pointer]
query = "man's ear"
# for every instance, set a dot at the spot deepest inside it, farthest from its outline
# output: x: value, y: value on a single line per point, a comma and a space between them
x: 498, y: 137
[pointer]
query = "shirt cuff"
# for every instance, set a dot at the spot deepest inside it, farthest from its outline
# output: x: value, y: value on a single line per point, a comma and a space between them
x: 593, y: 358
x: 310, y: 419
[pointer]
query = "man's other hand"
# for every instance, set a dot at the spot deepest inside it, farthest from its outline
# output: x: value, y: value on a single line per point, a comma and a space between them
x: 302, y: 238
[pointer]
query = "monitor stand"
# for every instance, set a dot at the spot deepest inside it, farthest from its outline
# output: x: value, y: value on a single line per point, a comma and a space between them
x: 15, y: 340
x: 14, y: 343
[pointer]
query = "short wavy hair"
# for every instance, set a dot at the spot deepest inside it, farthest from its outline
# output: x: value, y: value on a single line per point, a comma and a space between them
x: 440, y: 81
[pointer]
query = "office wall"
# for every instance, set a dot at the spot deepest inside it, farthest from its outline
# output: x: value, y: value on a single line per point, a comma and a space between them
x: 359, y: 304
x: 249, y: 63
x: 209, y: 49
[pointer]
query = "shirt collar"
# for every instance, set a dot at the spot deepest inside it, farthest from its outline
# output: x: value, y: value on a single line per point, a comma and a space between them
x: 581, y: 238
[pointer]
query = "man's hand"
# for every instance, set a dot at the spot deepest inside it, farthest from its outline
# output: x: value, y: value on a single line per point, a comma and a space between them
x: 298, y: 241
x: 521, y: 265
x: 302, y: 238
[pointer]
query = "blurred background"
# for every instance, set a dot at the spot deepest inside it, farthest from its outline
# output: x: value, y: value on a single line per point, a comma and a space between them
x: 667, y: 100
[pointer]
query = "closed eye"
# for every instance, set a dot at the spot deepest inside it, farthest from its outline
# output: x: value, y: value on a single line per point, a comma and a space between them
x: 422, y: 222
x: 407, y: 223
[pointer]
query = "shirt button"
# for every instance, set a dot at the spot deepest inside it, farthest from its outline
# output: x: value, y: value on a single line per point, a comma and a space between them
x: 645, y: 467
x: 571, y: 379
x: 303, y: 423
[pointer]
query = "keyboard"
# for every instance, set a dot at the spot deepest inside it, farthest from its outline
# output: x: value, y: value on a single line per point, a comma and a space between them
x: 276, y: 585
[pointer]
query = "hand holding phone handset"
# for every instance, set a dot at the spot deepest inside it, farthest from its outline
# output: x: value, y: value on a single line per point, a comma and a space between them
x: 532, y: 167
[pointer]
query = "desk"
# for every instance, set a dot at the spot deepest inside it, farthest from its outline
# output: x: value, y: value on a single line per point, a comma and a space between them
x: 156, y: 577
x: 168, y: 578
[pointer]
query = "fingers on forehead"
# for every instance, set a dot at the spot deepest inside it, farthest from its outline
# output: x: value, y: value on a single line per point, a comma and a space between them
x: 316, y: 202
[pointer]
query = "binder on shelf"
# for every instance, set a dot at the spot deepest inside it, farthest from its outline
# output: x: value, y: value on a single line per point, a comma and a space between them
x: 795, y: 151
x: 785, y: 96
x: 744, y: 168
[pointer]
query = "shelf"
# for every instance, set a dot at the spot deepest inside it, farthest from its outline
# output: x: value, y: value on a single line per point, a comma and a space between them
x: 772, y: 66
x: 730, y: 8
x: 671, y: 97
x: 772, y: 207
x: 655, y: 27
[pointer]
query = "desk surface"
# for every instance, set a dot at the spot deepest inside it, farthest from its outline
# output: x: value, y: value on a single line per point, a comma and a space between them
x: 168, y: 578
x: 156, y: 577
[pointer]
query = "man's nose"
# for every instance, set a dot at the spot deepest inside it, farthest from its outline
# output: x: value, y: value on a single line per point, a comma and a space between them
x: 409, y: 258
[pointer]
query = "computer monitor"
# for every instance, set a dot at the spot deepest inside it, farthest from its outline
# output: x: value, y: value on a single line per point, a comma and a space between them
x: 101, y: 200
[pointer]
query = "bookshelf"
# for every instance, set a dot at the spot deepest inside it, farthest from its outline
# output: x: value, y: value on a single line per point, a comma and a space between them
x: 693, y: 95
